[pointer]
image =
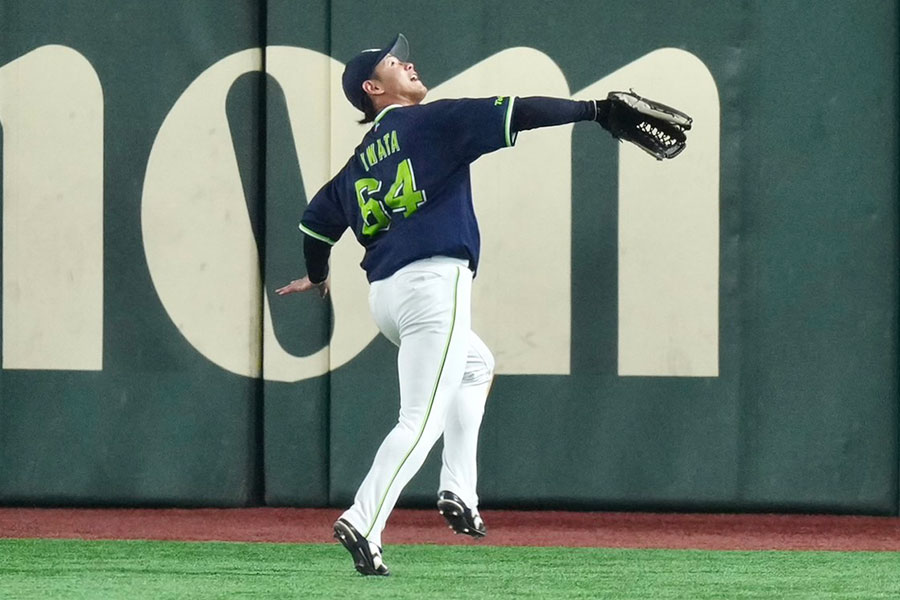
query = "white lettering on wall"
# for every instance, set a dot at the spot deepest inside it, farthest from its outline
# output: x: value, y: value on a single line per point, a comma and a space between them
x: 51, y: 109
x: 669, y: 226
x: 203, y: 258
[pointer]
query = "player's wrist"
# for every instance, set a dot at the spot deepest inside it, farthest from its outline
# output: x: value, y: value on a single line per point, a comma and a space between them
x: 601, y: 113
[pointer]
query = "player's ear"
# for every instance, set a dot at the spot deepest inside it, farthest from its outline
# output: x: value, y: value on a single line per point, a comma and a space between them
x: 372, y: 86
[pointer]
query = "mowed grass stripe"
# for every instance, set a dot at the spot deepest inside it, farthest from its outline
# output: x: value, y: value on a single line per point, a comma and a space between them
x: 75, y: 569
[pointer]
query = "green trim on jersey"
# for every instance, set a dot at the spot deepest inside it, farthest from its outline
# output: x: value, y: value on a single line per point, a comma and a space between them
x: 384, y: 112
x: 318, y: 236
x: 434, y: 389
x: 510, y: 135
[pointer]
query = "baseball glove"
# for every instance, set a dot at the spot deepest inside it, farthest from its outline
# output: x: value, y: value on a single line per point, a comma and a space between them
x: 655, y: 128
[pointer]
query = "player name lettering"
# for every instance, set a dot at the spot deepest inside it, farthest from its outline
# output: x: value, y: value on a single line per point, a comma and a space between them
x: 380, y: 149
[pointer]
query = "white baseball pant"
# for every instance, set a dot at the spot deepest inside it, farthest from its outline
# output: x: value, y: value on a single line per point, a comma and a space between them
x: 445, y: 374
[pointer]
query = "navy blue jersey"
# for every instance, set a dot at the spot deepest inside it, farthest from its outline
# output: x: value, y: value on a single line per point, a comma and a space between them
x: 406, y: 191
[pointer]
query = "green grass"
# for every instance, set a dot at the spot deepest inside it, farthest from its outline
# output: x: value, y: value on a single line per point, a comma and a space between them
x: 75, y: 569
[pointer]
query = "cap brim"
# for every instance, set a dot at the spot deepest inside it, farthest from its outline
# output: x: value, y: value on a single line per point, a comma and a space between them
x: 399, y: 48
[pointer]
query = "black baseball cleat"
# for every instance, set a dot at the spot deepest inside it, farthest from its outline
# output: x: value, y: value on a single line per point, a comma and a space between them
x: 366, y: 556
x: 460, y: 517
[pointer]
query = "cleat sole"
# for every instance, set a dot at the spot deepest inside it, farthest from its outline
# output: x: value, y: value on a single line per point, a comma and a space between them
x: 458, y: 518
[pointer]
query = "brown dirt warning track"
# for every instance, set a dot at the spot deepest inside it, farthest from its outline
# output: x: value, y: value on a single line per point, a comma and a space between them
x: 505, y: 528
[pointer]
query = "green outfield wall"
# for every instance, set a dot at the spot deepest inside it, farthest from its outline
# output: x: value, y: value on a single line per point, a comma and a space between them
x: 717, y: 332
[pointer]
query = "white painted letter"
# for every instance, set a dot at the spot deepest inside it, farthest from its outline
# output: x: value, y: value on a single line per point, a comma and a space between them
x: 669, y: 226
x: 51, y: 109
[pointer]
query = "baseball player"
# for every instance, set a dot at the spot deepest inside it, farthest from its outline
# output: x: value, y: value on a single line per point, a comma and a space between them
x: 406, y: 195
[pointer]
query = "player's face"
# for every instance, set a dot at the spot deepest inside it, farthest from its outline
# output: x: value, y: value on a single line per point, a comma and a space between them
x: 400, y: 80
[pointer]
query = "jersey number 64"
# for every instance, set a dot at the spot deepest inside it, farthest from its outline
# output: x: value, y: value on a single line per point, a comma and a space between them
x: 402, y: 197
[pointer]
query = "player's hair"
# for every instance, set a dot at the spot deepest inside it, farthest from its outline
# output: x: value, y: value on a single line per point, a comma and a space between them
x: 368, y: 112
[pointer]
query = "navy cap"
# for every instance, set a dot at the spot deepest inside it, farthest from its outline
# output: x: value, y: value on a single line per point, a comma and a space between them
x: 363, y: 65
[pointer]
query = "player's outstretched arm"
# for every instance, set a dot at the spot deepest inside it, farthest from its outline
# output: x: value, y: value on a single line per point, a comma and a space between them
x: 316, y: 254
x: 540, y: 111
x: 654, y: 127
x: 303, y: 285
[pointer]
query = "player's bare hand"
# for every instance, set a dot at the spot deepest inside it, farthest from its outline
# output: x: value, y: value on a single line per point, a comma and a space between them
x: 303, y: 285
